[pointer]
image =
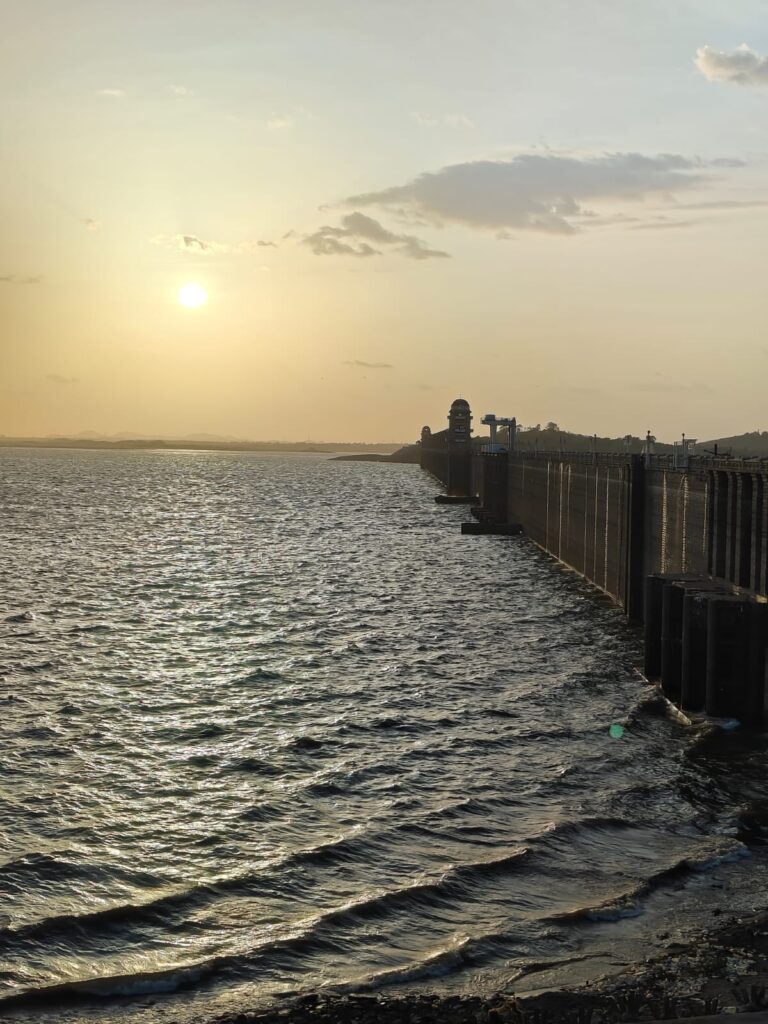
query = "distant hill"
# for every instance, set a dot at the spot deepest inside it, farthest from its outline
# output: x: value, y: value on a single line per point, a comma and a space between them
x: 119, y: 443
x: 744, y: 446
x: 750, y: 445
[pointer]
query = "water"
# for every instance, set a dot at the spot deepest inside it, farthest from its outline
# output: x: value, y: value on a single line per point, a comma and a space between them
x: 270, y: 722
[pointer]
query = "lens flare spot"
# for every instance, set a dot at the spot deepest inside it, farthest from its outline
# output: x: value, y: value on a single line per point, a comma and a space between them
x: 616, y: 731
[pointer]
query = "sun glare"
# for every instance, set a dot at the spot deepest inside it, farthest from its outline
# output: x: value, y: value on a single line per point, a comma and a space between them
x: 192, y: 295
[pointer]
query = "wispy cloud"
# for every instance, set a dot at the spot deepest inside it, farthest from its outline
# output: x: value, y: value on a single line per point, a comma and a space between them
x: 180, y: 90
x: 357, y: 236
x: 662, y: 385
x: 278, y: 124
x: 742, y: 66
x: 368, y: 366
x: 115, y: 94
x: 662, y: 225
x: 723, y: 204
x: 535, y: 192
x: 16, y: 279
x: 194, y: 244
x: 59, y: 378
x: 91, y: 224
x: 284, y: 120
x: 438, y: 120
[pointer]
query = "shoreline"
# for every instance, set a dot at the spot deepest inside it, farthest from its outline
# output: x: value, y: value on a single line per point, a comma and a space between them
x: 723, y: 972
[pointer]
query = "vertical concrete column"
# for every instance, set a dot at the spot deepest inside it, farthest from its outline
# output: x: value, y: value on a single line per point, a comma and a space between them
x: 672, y: 600
x: 743, y: 528
x: 719, y: 524
x: 728, y: 643
x: 725, y: 642
x: 589, y: 513
x: 493, y: 488
x: 756, y: 697
x: 757, y: 556
x: 709, y: 537
x: 654, y: 593
x: 732, y: 519
x: 693, y: 677
x: 635, y: 541
x: 459, y: 472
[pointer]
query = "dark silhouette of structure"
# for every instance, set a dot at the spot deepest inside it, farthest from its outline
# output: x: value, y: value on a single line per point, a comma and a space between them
x: 448, y: 453
x: 679, y: 542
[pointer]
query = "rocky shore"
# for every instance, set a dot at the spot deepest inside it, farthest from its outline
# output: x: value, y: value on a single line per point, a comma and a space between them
x: 725, y: 972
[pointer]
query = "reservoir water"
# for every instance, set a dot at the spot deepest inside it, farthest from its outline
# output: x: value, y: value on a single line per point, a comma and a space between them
x: 271, y: 723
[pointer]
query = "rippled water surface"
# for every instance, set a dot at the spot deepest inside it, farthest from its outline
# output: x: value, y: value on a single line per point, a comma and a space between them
x: 271, y: 722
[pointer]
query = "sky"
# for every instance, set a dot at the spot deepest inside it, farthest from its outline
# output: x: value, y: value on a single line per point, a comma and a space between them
x: 557, y: 210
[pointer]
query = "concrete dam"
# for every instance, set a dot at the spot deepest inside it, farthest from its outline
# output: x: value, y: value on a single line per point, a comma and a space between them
x: 679, y: 542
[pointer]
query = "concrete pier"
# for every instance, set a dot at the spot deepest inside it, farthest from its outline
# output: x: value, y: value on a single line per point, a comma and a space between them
x: 736, y: 662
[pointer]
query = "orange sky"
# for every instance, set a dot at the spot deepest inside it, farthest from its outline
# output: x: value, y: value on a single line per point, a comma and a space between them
x: 556, y: 213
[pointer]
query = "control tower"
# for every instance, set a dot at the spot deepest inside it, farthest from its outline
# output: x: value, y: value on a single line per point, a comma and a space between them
x: 459, y: 424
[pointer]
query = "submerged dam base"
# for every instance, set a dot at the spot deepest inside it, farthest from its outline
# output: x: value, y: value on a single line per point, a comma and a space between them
x: 679, y: 544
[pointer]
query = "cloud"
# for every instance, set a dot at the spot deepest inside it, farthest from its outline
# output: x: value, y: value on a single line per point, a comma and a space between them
x: 668, y: 386
x: 15, y: 279
x: 288, y: 119
x: 194, y: 244
x: 277, y: 124
x: 742, y: 66
x: 91, y: 224
x: 368, y: 366
x: 663, y: 225
x: 356, y: 234
x: 723, y: 204
x: 115, y: 94
x: 535, y: 192
x: 59, y: 378
x: 180, y: 90
x: 449, y: 120
x: 325, y: 243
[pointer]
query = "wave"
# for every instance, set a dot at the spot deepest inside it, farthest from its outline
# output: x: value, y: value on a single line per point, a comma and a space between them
x: 170, y: 980
x: 437, y: 965
x: 595, y: 823
x: 42, y: 866
x: 629, y: 903
x: 305, y: 743
x: 453, y: 882
x: 255, y: 766
x: 261, y: 674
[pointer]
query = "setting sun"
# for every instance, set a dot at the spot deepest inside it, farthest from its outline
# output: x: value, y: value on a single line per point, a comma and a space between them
x: 192, y: 295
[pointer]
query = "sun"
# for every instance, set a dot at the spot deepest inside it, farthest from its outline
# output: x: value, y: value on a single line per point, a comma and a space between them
x: 192, y: 295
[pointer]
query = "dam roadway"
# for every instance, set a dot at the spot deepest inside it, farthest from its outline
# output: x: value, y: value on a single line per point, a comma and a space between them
x: 680, y: 543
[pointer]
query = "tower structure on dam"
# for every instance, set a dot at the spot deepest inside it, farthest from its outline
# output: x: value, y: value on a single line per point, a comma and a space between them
x: 447, y: 454
x: 459, y: 424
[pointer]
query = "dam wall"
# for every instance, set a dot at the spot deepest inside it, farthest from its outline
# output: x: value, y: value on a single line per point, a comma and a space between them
x: 680, y: 543
x: 682, y: 550
x: 617, y: 519
x: 677, y: 520
x: 580, y: 510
